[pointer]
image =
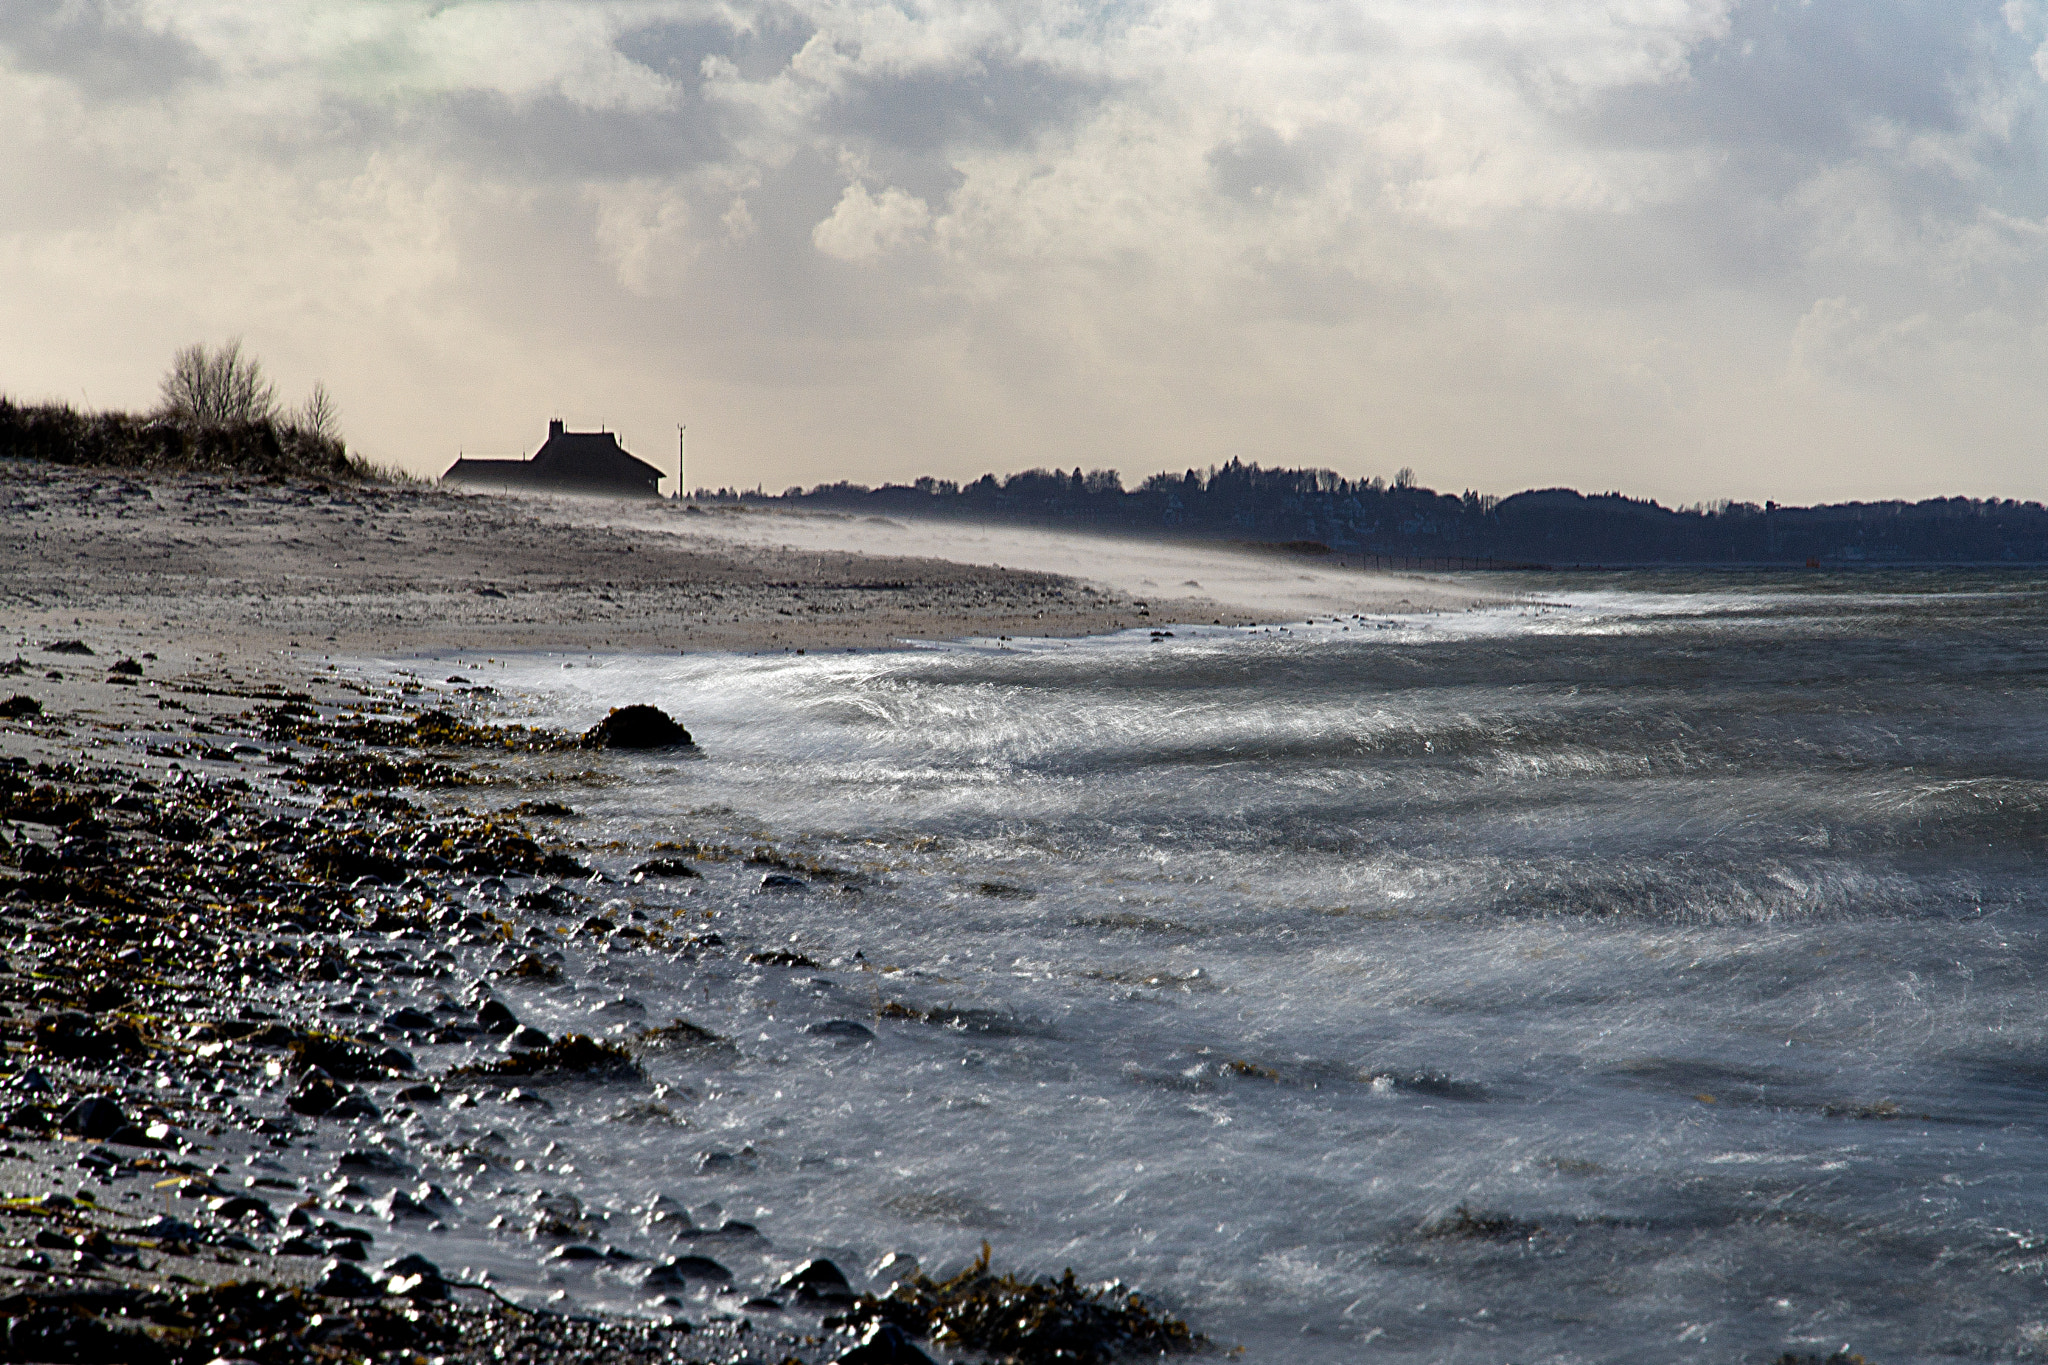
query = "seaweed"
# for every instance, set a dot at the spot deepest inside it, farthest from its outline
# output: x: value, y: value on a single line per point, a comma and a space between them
x: 1024, y: 1322
x: 573, y: 1054
x: 1464, y: 1224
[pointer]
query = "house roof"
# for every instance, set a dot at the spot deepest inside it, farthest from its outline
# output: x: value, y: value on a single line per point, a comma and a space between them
x: 579, y: 460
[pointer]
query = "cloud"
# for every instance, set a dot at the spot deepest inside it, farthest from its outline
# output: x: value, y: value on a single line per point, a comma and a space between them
x: 865, y: 225
x: 1505, y: 242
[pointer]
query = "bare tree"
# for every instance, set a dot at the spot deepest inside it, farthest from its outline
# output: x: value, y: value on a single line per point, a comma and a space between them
x: 319, y: 415
x: 219, y: 387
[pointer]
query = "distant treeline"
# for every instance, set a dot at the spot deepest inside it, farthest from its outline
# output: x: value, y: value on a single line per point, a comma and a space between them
x: 158, y: 441
x: 1401, y: 520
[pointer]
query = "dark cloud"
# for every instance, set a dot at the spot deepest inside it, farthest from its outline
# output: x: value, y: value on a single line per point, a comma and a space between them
x: 1792, y: 87
x: 995, y: 102
x: 99, y: 46
x: 1260, y: 162
x: 553, y: 138
x: 759, y: 51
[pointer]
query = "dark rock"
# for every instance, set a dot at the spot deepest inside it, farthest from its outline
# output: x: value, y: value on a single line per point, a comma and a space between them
x: 636, y: 727
x: 29, y: 1116
x: 526, y: 1036
x: 127, y: 668
x: 355, y: 1106
x: 494, y: 1016
x: 573, y: 1054
x: 416, y: 1278
x: 572, y: 1252
x: 398, y: 1204
x: 841, y: 1031
x: 409, y: 1020
x: 107, y: 996
x: 884, y: 1343
x: 233, y: 1208
x: 95, y: 1118
x: 316, y: 1095
x: 682, y: 1270
x: 666, y: 867
x: 782, y: 881
x: 59, y: 1333
x: 67, y: 647
x: 817, y: 1281
x: 298, y: 1246
x: 20, y: 706
x: 341, y: 1280
x: 396, y: 1061
x: 373, y: 1161
x: 421, y: 1094
x: 75, y: 1035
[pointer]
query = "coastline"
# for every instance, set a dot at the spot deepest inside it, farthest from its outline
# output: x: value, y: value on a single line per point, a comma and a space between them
x: 211, y: 830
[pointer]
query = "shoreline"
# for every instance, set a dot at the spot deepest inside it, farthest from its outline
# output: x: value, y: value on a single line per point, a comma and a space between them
x: 226, y: 864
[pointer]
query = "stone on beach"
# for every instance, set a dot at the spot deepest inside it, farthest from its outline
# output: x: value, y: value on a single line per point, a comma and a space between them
x: 636, y: 727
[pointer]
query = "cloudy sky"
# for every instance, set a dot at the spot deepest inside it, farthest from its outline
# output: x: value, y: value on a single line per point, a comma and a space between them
x: 1685, y: 248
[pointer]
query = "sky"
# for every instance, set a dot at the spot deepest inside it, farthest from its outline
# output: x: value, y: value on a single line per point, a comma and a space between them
x: 1686, y: 249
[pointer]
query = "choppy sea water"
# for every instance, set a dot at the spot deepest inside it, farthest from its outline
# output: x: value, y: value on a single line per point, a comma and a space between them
x: 1651, y: 971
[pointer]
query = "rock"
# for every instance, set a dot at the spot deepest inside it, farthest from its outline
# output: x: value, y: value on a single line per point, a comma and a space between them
x: 74, y: 1035
x: 20, y: 706
x: 524, y: 1038
x: 126, y: 668
x: 164, y: 1228
x: 843, y: 1031
x: 67, y: 647
x: 355, y: 1106
x: 884, y: 1343
x: 682, y: 1270
x: 416, y: 1278
x: 372, y: 1160
x: 58, y: 1333
x: 666, y: 867
x: 316, y: 1095
x: 341, y: 1280
x: 636, y: 727
x: 397, y: 1204
x: 233, y: 1208
x: 494, y: 1016
x: 409, y: 1020
x: 95, y: 1118
x: 896, y: 1266
x: 782, y: 881
x: 572, y: 1252
x: 818, y: 1281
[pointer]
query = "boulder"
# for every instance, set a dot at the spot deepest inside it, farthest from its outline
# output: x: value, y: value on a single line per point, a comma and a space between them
x: 636, y: 727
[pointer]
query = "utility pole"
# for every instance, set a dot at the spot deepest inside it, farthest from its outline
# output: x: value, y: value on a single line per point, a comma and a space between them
x: 682, y: 460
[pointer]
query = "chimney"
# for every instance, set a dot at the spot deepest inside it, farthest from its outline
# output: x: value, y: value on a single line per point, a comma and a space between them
x: 554, y: 428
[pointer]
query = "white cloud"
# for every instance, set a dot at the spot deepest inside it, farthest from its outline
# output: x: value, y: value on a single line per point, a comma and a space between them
x: 865, y: 225
x: 1504, y: 241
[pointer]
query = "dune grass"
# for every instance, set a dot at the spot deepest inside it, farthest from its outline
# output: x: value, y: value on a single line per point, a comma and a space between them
x: 154, y: 442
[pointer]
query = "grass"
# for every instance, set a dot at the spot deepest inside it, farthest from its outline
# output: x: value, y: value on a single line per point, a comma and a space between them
x: 151, y: 442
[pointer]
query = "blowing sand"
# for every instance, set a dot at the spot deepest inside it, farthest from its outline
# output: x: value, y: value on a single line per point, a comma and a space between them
x: 207, y: 565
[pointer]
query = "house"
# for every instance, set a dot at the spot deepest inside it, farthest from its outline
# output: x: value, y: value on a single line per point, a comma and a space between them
x: 570, y: 462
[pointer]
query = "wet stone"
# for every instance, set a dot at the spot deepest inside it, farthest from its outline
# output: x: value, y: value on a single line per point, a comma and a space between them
x: 636, y: 727
x: 340, y: 1279
x: 682, y: 1270
x: 841, y: 1031
x: 95, y: 1117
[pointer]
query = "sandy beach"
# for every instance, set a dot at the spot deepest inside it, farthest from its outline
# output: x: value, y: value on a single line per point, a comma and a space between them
x: 265, y: 910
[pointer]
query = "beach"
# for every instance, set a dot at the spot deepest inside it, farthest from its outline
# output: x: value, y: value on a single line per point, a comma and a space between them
x: 223, y: 761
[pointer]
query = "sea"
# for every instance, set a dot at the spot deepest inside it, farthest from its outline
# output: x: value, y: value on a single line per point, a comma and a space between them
x: 1651, y: 968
